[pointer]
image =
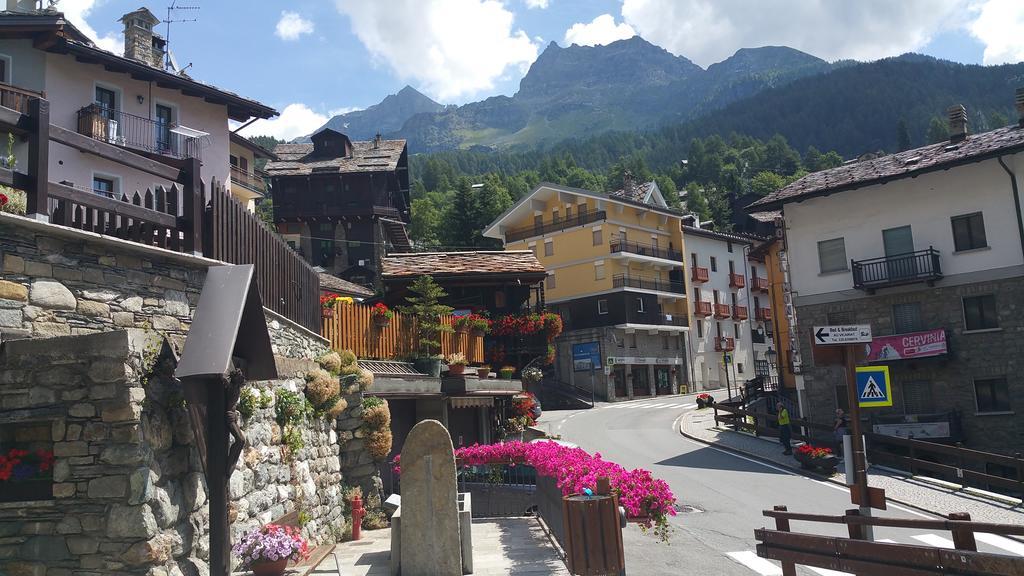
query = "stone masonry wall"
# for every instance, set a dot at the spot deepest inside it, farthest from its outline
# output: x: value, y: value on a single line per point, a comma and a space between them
x: 986, y: 354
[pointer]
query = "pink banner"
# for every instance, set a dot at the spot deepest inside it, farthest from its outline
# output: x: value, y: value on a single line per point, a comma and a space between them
x: 904, y: 346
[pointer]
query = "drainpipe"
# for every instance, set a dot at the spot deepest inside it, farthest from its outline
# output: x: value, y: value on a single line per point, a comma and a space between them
x: 1016, y: 202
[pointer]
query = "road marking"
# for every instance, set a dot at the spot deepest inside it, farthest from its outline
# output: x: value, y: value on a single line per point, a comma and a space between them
x: 934, y: 540
x: 909, y: 511
x: 688, y: 406
x: 827, y: 572
x: 756, y: 563
x: 1011, y: 546
x: 885, y: 541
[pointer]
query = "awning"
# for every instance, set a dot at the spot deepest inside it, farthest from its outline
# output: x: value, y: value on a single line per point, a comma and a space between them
x: 472, y: 402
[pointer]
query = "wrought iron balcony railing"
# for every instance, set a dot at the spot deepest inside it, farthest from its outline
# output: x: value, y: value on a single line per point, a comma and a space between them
x: 909, y: 268
x: 645, y: 283
x: 131, y: 131
x: 651, y: 250
x: 580, y: 219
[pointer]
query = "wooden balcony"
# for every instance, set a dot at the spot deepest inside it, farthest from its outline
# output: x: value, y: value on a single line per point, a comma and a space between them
x: 17, y: 98
x: 580, y: 219
x: 763, y: 314
x: 759, y: 284
x: 739, y: 312
x: 888, y: 271
x: 702, y: 309
x: 737, y: 281
x: 723, y: 311
x: 698, y: 274
x: 723, y: 344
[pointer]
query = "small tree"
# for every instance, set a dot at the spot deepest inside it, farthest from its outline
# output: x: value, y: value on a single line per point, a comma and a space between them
x: 425, y: 306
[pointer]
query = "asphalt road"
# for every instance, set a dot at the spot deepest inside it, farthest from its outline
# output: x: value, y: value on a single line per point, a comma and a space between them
x: 729, y: 491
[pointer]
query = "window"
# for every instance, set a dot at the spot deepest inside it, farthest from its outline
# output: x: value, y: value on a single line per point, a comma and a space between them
x: 737, y: 330
x: 106, y: 98
x: 549, y: 248
x: 568, y: 211
x: 500, y: 300
x: 832, y: 255
x: 917, y: 397
x: 5, y: 67
x: 753, y: 271
x: 164, y: 121
x: 602, y: 306
x: 632, y: 339
x: 554, y: 215
x: 757, y: 303
x: 733, y: 295
x: 599, y: 271
x: 728, y: 245
x: 969, y: 232
x: 620, y: 342
x: 623, y: 237
x: 980, y: 313
x: 550, y: 282
x: 700, y: 328
x: 664, y: 342
x: 739, y: 367
x: 654, y: 242
x: 103, y: 186
x: 906, y: 318
x: 714, y: 264
x: 598, y: 238
x: 640, y: 305
x: 538, y: 220
x: 992, y: 394
x: 693, y: 259
x: 714, y: 295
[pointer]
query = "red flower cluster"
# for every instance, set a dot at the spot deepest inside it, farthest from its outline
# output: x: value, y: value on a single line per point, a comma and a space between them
x: 23, y: 464
x: 4, y: 199
x: 473, y: 322
x: 327, y: 300
x: 549, y: 324
x: 522, y: 407
x: 814, y: 451
x: 380, y: 310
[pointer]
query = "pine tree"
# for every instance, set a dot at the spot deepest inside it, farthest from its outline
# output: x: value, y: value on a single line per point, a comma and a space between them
x: 937, y: 130
x: 902, y: 135
x: 459, y: 215
x: 425, y: 305
x: 997, y: 119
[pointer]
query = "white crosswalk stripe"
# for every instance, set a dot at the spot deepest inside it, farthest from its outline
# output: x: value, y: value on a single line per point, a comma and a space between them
x: 886, y: 540
x: 1012, y: 546
x: 756, y: 563
x: 934, y: 540
x: 827, y: 572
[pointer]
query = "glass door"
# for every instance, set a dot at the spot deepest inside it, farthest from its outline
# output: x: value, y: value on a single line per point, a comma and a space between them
x: 164, y: 119
x: 899, y: 245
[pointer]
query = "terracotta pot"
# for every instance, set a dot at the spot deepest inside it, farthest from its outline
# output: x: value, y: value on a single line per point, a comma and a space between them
x: 483, y: 373
x: 268, y: 568
x: 456, y: 369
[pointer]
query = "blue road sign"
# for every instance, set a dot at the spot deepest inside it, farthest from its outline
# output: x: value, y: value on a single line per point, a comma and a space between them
x: 586, y: 356
x: 874, y: 388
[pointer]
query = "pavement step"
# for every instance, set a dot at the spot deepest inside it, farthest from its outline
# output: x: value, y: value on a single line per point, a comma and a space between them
x: 756, y: 563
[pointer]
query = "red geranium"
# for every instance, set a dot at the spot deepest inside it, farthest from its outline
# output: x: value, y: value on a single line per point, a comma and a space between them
x: 380, y: 310
x: 814, y: 451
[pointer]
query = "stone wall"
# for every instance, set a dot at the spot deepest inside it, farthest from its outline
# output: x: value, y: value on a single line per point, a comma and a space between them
x: 985, y: 354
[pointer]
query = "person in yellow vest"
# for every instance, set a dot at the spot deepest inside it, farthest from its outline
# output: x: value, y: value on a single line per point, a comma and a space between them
x: 785, y: 433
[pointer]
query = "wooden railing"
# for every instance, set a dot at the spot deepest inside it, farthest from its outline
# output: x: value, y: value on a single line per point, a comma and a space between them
x: 722, y: 310
x: 172, y: 218
x: 763, y: 314
x: 758, y: 283
x: 702, y: 308
x: 739, y: 312
x: 698, y: 274
x: 737, y: 280
x: 352, y: 327
x: 17, y: 98
x: 725, y: 344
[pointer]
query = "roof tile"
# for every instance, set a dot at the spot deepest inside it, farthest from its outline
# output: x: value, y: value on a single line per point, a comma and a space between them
x: 461, y: 263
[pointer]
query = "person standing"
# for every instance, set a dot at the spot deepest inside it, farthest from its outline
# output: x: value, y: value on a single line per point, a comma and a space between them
x: 785, y: 432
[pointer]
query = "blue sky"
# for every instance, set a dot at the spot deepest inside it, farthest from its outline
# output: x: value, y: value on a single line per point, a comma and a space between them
x: 312, y: 58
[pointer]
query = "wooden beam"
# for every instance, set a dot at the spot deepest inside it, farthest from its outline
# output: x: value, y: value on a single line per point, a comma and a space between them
x: 111, y: 152
x: 14, y: 121
x: 37, y: 205
x: 118, y: 207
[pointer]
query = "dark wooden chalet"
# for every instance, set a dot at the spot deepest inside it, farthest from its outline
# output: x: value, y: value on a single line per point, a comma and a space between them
x: 343, y: 204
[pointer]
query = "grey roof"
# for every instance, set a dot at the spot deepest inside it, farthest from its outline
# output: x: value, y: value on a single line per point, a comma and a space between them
x: 637, y: 192
x: 344, y: 287
x: 909, y: 164
x: 295, y: 159
x: 724, y: 236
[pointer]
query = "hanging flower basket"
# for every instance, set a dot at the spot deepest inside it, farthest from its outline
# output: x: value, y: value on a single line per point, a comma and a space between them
x: 381, y: 315
x: 381, y: 322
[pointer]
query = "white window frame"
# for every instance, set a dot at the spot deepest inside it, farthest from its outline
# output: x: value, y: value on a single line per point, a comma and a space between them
x: 846, y: 263
x: 599, y: 270
x: 602, y: 309
x: 117, y: 90
x: 10, y: 68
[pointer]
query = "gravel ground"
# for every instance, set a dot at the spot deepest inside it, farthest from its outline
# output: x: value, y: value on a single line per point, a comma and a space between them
x: 910, y: 491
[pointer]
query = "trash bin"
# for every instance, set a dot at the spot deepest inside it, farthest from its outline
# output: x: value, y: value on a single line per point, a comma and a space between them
x: 593, y: 534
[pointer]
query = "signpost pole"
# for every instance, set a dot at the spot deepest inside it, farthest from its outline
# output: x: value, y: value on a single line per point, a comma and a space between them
x: 728, y: 384
x: 593, y: 395
x: 860, y: 475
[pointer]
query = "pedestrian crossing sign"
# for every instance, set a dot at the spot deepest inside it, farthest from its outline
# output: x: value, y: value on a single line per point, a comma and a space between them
x: 874, y: 389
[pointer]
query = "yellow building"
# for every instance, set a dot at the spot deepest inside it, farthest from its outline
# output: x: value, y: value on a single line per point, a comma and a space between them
x: 784, y: 366
x: 615, y: 274
x: 247, y: 183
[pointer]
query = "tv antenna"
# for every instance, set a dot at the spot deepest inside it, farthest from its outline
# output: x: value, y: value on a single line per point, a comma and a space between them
x: 177, y: 13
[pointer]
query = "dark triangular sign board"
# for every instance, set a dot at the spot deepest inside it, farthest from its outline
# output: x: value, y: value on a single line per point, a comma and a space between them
x: 229, y: 322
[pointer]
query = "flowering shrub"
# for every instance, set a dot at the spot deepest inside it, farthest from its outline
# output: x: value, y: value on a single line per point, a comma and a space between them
x: 457, y: 359
x: 548, y: 323
x: 20, y: 464
x: 814, y: 451
x: 270, y: 544
x: 646, y: 500
x: 380, y: 310
x: 522, y: 408
x: 476, y: 322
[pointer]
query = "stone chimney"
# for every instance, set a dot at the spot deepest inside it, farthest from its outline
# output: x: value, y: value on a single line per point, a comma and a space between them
x: 140, y: 42
x: 376, y: 141
x: 1019, y: 100
x: 627, y: 184
x: 957, y: 123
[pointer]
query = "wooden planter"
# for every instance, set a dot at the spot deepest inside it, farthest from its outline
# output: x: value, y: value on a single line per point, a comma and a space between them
x: 826, y: 464
x: 456, y: 369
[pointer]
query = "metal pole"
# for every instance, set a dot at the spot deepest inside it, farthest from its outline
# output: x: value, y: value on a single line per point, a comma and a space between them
x: 860, y: 474
x: 728, y: 385
x: 592, y: 393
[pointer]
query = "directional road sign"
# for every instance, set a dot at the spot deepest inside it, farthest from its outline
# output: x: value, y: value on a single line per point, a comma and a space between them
x: 851, y: 334
x: 874, y: 388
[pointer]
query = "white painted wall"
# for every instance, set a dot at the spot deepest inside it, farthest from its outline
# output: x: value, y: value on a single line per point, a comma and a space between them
x: 926, y: 203
x: 707, y: 363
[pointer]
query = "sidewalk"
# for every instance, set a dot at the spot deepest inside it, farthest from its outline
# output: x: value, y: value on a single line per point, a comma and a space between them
x: 501, y: 546
x: 911, y: 491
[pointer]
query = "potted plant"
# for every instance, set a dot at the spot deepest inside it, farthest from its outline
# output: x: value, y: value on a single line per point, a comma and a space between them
x: 506, y: 372
x: 327, y: 304
x: 26, y: 475
x: 425, y: 307
x: 456, y: 363
x: 483, y: 372
x: 381, y: 314
x: 815, y: 458
x: 267, y: 551
x: 531, y: 376
x: 704, y: 400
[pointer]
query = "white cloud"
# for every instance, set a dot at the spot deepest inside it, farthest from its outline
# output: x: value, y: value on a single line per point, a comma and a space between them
x: 1000, y: 27
x: 76, y: 11
x: 601, y: 30
x: 708, y: 31
x: 542, y: 4
x: 295, y: 120
x: 292, y: 25
x: 453, y: 48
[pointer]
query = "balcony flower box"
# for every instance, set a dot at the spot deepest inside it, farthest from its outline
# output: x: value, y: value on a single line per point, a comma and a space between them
x: 816, y: 458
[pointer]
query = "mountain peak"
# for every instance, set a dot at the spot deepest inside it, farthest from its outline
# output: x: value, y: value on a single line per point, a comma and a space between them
x: 386, y: 117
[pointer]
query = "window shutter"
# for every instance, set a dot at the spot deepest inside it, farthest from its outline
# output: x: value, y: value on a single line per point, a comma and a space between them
x: 832, y: 255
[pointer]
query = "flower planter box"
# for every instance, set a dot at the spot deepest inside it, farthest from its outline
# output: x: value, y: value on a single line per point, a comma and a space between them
x: 456, y: 369
x: 26, y: 490
x: 483, y: 373
x: 328, y: 313
x: 824, y: 464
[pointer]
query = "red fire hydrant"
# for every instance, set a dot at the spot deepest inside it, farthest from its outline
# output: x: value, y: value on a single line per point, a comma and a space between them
x: 357, y: 517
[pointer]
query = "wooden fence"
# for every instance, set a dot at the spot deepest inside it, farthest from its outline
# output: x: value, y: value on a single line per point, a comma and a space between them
x: 181, y: 217
x: 352, y: 327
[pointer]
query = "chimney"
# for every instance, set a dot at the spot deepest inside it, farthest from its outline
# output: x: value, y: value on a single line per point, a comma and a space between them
x: 140, y: 42
x: 1020, y: 106
x: 376, y: 141
x: 957, y: 123
x: 627, y: 184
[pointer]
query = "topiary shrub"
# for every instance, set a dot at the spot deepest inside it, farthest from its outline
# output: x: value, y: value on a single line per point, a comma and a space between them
x: 365, y: 380
x: 330, y: 361
x: 377, y: 417
x: 321, y: 386
x: 378, y: 444
x: 348, y: 358
x: 337, y: 408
